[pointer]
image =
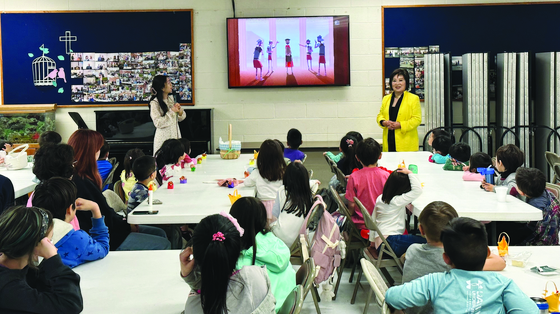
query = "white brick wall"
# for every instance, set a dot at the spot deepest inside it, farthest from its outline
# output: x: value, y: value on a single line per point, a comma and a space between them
x: 323, y: 115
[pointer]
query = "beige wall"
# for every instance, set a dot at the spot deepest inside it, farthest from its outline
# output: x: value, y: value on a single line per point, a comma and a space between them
x: 322, y: 114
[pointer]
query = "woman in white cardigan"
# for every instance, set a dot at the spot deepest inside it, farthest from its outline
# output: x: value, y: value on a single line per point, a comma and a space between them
x: 164, y: 111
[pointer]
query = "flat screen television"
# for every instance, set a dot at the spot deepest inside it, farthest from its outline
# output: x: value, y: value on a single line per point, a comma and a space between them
x: 288, y: 51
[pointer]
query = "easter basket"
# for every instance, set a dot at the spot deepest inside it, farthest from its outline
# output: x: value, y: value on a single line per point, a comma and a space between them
x: 230, y: 149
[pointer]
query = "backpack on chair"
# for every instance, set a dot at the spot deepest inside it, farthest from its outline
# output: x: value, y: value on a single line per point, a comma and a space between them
x: 324, y: 247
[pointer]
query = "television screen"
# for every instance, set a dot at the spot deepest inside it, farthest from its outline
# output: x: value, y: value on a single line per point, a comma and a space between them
x: 288, y: 51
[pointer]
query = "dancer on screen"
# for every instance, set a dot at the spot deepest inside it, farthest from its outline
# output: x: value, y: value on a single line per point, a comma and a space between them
x: 256, y: 59
x: 269, y: 51
x: 289, y: 62
x: 320, y: 43
x: 309, y: 50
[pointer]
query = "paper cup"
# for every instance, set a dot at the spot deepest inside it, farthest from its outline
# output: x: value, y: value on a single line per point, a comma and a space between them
x: 501, y: 193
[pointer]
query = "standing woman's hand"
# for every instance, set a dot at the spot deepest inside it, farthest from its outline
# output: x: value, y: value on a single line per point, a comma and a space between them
x: 176, y: 107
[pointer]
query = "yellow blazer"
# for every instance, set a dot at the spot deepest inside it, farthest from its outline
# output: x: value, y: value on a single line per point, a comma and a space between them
x: 410, y: 117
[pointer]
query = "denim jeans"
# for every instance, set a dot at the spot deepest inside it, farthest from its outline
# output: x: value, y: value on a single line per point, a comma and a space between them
x: 147, y: 238
x: 400, y: 243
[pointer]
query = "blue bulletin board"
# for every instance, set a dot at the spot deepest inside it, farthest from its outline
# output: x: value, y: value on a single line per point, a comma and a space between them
x: 464, y: 28
x: 104, y: 58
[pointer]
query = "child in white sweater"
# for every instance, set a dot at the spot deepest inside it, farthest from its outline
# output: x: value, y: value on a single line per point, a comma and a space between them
x: 402, y: 188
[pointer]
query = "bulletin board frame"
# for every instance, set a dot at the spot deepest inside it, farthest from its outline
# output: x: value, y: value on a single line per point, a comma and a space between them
x: 155, y: 42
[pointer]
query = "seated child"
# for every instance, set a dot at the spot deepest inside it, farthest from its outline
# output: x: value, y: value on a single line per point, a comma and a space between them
x: 293, y: 201
x: 144, y: 169
x: 168, y: 159
x: 436, y: 133
x: 188, y: 161
x: 127, y: 176
x: 58, y: 195
x: 336, y: 158
x: 267, y: 178
x: 402, y: 188
x: 367, y: 183
x: 459, y: 156
x: 348, y: 162
x: 217, y: 285
x: 465, y: 288
x: 261, y: 247
x: 531, y: 183
x: 49, y: 137
x: 50, y: 287
x: 103, y: 165
x: 440, y: 145
x: 423, y: 259
x: 508, y: 158
x: 478, y: 160
x: 294, y: 142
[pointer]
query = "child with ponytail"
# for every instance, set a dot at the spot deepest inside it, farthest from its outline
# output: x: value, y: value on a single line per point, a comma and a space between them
x: 209, y: 267
x: 261, y: 247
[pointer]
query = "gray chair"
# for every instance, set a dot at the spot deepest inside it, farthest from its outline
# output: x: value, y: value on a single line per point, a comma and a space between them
x: 109, y: 178
x: 554, y: 189
x: 552, y: 159
x: 386, y: 256
x: 306, y: 275
x: 378, y: 286
x: 351, y: 235
x: 293, y: 302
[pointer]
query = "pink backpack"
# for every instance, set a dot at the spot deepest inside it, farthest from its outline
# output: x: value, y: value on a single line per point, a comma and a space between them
x: 324, y: 246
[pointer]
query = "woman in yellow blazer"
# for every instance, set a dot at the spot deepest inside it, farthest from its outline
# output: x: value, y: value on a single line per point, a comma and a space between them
x: 400, y: 115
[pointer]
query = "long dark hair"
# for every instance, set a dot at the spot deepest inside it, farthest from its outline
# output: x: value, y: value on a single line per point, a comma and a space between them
x: 271, y: 162
x: 397, y: 183
x: 348, y: 145
x: 169, y: 153
x: 251, y: 215
x: 21, y: 229
x: 298, y: 192
x: 217, y: 260
x: 129, y: 159
x: 158, y: 84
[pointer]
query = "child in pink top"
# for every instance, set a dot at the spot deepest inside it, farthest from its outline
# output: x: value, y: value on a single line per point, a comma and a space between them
x: 367, y: 183
x: 477, y: 160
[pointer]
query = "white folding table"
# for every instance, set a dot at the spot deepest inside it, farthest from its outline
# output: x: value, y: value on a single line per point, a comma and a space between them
x: 134, y: 282
x: 22, y: 179
x: 200, y: 196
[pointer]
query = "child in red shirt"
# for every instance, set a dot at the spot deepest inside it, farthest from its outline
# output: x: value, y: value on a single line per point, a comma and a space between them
x: 367, y: 183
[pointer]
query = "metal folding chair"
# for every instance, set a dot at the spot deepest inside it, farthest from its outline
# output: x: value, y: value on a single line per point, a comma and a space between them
x: 386, y: 256
x: 378, y: 286
x: 351, y: 235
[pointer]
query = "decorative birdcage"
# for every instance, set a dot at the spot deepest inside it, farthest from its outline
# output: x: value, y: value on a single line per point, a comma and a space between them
x: 42, y: 67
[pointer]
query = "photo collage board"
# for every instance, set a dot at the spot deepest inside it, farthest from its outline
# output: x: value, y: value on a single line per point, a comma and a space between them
x: 412, y: 59
x: 127, y: 76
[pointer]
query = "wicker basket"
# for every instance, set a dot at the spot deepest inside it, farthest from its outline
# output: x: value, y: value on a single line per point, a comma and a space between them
x: 231, y: 153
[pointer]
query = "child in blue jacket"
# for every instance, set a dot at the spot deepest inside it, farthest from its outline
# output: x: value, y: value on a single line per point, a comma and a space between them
x: 75, y: 247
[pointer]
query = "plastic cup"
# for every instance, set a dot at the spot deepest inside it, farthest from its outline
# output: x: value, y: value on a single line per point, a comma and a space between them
x: 501, y: 193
